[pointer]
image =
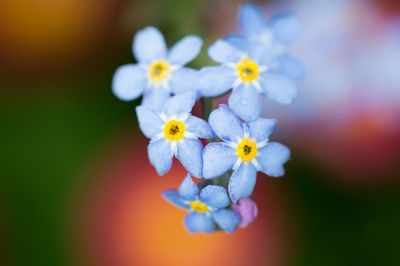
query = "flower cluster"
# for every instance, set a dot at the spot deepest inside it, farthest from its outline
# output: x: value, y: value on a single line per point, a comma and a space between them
x: 253, y: 63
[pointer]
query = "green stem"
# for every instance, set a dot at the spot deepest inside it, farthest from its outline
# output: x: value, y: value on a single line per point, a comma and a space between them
x: 207, y: 105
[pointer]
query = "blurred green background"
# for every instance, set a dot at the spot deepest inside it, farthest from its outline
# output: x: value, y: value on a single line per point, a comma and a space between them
x: 58, y: 114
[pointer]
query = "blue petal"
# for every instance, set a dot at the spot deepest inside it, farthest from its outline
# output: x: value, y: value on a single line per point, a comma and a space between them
x: 160, y: 155
x: 199, y: 127
x: 245, y: 102
x: 199, y: 222
x: 261, y: 128
x: 251, y: 19
x: 242, y: 182
x: 155, y: 98
x: 183, y: 79
x: 272, y: 157
x: 223, y: 52
x: 286, y: 27
x: 226, y: 219
x: 218, y: 158
x: 149, y: 121
x: 279, y: 88
x: 180, y: 103
x: 237, y: 41
x: 185, y: 50
x: 215, y: 80
x: 214, y: 196
x: 226, y: 124
x: 188, y: 189
x: 173, y: 196
x: 290, y: 67
x: 190, y: 155
x: 128, y: 82
x: 149, y: 45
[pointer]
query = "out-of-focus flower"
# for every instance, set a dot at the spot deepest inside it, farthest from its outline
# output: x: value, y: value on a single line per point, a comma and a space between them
x: 205, y: 208
x: 247, y: 209
x: 159, y: 72
x: 174, y: 132
x: 245, y: 150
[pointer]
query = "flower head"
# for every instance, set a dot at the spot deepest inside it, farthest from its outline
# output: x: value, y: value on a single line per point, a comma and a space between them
x: 206, y: 208
x: 247, y: 209
x: 159, y: 72
x: 174, y: 132
x: 249, y: 74
x: 282, y: 29
x: 273, y: 36
x: 245, y: 150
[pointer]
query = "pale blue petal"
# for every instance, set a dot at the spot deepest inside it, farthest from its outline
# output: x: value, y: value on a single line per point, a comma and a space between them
x: 261, y: 128
x: 214, y: 196
x: 128, y: 82
x: 149, y: 45
x: 190, y: 155
x: 225, y: 124
x: 223, y: 52
x: 245, y: 102
x: 185, y: 50
x: 199, y: 127
x: 173, y: 197
x: 149, y: 121
x: 183, y: 79
x: 188, y: 189
x: 251, y: 19
x: 279, y: 88
x: 272, y: 157
x: 242, y: 181
x: 215, y: 80
x: 238, y: 41
x: 180, y: 103
x: 290, y: 67
x: 199, y: 222
x: 155, y: 98
x: 160, y: 155
x: 286, y: 27
x: 218, y: 158
x: 226, y: 219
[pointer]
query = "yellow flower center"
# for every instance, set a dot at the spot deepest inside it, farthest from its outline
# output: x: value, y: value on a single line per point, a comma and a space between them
x: 158, y: 71
x: 174, y: 130
x: 198, y: 206
x: 248, y: 69
x: 246, y: 150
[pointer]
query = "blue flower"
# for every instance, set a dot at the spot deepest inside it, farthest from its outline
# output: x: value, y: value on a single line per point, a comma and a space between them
x: 174, y: 132
x: 159, y: 72
x: 205, y: 209
x: 249, y: 75
x: 245, y: 150
x: 273, y: 36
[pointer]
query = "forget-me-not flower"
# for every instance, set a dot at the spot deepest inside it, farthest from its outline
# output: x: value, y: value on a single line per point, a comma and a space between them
x: 245, y: 150
x: 248, y: 74
x: 174, y: 132
x: 274, y: 36
x: 205, y: 209
x: 159, y: 72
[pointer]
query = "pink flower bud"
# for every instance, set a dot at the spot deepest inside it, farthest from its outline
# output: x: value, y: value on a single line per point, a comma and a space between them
x: 247, y: 209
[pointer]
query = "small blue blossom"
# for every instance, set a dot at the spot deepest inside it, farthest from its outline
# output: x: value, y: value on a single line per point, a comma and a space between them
x: 245, y: 150
x: 205, y: 209
x: 174, y: 132
x: 159, y: 72
x: 248, y: 74
x: 274, y: 36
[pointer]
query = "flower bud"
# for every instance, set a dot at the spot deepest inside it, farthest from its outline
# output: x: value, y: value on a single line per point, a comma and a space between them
x: 247, y: 209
